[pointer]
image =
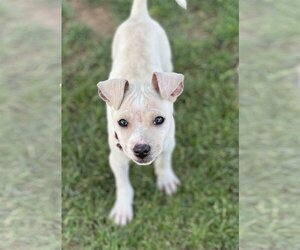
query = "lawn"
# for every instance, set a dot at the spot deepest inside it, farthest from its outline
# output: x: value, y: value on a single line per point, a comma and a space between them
x: 30, y: 172
x: 269, y: 125
x: 204, y: 213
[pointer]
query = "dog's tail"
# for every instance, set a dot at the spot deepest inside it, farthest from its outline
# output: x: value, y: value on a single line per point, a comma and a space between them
x: 140, y: 8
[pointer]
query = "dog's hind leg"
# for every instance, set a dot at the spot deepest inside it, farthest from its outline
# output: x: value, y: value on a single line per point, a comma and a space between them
x: 165, y: 53
x: 122, y: 212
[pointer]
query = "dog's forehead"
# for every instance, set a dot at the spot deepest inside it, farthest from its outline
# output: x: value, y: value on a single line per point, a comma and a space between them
x: 142, y: 102
x: 141, y: 98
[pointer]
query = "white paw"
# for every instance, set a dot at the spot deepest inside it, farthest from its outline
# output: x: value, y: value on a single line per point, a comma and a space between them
x: 121, y: 213
x: 168, y: 182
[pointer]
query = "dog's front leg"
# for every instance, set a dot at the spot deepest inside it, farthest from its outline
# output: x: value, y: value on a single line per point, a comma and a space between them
x: 122, y: 212
x: 166, y: 179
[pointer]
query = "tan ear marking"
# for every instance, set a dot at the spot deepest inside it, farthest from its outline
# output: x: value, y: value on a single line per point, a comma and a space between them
x: 168, y: 85
x: 112, y: 91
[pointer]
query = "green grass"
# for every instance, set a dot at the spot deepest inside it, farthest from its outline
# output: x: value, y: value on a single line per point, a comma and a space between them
x: 269, y: 125
x: 204, y: 213
x: 30, y: 173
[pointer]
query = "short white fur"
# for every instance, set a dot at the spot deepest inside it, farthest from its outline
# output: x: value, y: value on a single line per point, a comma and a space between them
x: 137, y: 92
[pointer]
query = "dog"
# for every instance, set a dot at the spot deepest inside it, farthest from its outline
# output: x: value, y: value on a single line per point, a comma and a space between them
x: 140, y: 94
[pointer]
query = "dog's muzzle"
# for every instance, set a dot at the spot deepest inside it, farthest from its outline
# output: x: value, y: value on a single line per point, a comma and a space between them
x: 141, y: 150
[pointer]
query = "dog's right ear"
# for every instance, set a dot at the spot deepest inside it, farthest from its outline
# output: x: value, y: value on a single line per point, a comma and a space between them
x: 112, y: 91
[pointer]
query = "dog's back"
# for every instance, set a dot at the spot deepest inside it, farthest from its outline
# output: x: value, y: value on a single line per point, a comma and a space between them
x: 140, y: 46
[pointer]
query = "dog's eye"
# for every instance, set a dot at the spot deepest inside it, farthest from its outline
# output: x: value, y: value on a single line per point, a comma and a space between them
x: 158, y: 120
x: 123, y: 123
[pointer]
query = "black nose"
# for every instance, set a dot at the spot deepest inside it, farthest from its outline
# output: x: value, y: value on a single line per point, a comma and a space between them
x: 141, y: 150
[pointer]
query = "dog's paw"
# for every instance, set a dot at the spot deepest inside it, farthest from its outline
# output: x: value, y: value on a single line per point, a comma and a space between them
x: 168, y: 182
x: 121, y: 213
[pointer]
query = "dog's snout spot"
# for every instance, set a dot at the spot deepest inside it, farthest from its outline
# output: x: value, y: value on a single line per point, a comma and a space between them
x: 116, y: 136
x: 141, y: 150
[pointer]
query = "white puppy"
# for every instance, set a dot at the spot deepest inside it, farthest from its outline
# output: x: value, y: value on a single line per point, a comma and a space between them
x: 140, y: 96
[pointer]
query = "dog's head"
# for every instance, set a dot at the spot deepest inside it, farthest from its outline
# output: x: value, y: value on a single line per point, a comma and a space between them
x: 142, y: 114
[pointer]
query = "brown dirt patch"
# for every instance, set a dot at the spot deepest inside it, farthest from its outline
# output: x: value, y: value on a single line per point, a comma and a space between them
x: 98, y: 18
x: 48, y: 16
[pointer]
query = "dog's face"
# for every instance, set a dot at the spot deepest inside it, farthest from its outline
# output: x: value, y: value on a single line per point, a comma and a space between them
x: 142, y: 114
x: 142, y: 123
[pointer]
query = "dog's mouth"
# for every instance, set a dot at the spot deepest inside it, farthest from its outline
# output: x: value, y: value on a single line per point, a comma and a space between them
x: 149, y: 159
x: 144, y: 161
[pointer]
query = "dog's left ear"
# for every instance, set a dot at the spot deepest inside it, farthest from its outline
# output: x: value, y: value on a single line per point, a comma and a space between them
x: 112, y: 91
x: 168, y: 85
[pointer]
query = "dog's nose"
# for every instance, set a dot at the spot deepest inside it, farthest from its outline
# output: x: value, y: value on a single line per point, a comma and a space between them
x: 141, y: 150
